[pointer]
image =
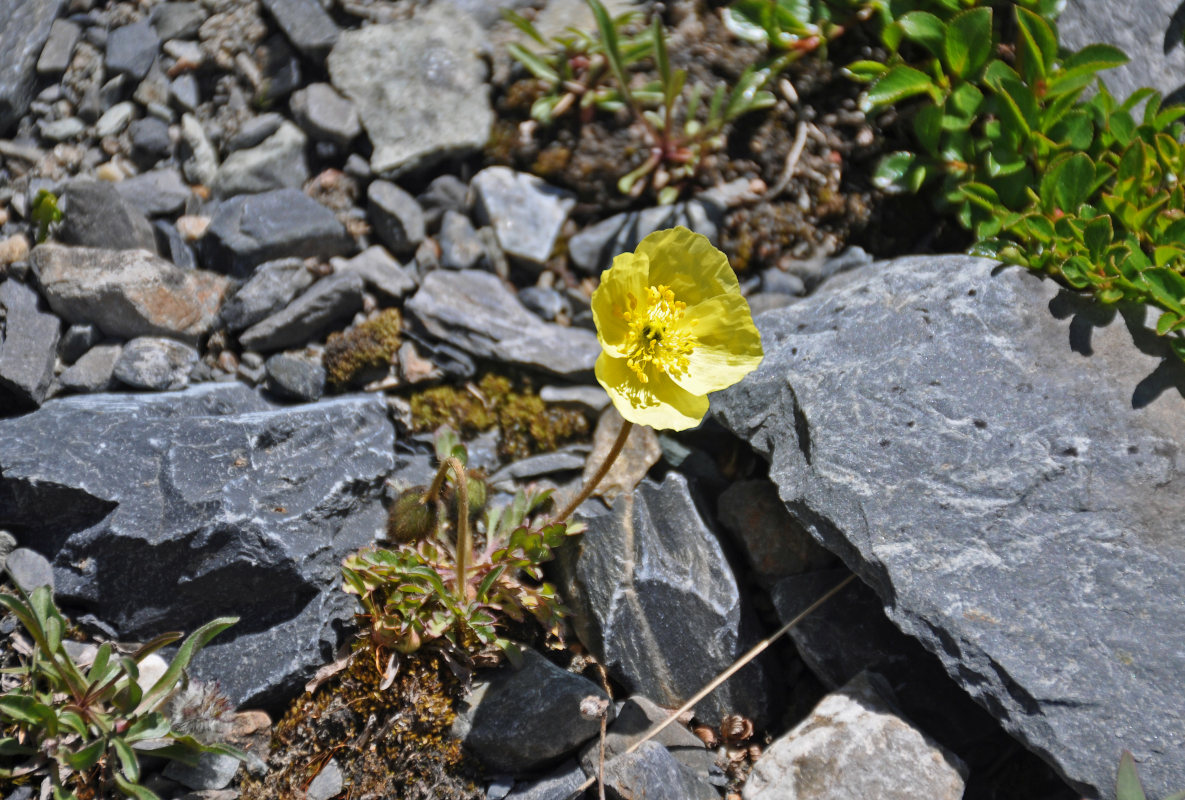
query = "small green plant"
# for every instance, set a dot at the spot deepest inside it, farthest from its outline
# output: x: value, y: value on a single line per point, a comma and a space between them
x: 45, y: 213
x: 1127, y: 785
x: 79, y: 730
x: 444, y: 587
x: 1084, y: 190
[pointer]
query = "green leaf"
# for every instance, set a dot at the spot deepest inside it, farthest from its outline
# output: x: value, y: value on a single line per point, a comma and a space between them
x: 612, y: 48
x: 895, y: 85
x: 1072, y: 180
x: 1036, y: 45
x: 127, y: 759
x: 534, y: 64
x: 1167, y: 288
x: 196, y: 641
x: 1097, y: 236
x: 965, y: 101
x: 865, y: 71
x: 1122, y: 127
x: 1127, y: 784
x: 1076, y: 271
x: 524, y: 25
x: 1018, y: 106
x: 968, y: 42
x: 925, y: 29
x: 85, y: 757
x: 927, y: 126
x: 1075, y: 130
x: 1166, y: 322
x: 891, y: 171
x: 660, y: 52
x: 133, y: 790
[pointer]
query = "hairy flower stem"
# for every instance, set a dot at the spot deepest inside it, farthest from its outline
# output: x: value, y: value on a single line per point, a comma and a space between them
x: 464, y: 540
x: 598, y: 476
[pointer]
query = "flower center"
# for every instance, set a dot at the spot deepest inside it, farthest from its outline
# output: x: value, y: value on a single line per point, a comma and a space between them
x: 658, y: 335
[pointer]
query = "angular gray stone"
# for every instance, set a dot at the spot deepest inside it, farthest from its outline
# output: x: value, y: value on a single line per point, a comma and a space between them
x: 185, y: 91
x: 1143, y: 30
x: 28, y: 348
x: 213, y: 771
x: 95, y: 214
x: 115, y: 119
x: 306, y: 24
x: 131, y: 49
x: 397, y: 218
x: 94, y: 371
x: 560, y: 784
x: 278, y: 162
x: 521, y: 719
x: 242, y: 508
x: 29, y: 569
x: 442, y: 107
x: 294, y: 376
x: 1039, y: 444
x: 272, y: 287
x: 547, y: 304
x: 325, y: 115
x: 59, y: 48
x: 157, y: 192
x: 200, y: 164
x: 330, y: 300
x: 150, y: 141
x: 634, y: 720
x: 77, y: 340
x: 152, y: 362
x: 656, y: 601
x: 592, y: 250
x: 177, y: 20
x: 524, y: 211
x: 327, y: 784
x: 651, y: 772
x: 24, y: 29
x: 247, y: 231
x: 476, y: 312
x: 128, y: 293
x: 460, y: 246
x: 445, y: 193
x: 381, y: 272
x: 854, y: 744
x: 62, y: 130
x: 255, y: 130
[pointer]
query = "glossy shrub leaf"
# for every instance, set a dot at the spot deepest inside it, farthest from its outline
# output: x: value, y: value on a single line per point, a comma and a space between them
x: 968, y: 42
x: 1076, y: 271
x: 1166, y: 287
x: 1036, y: 45
x: 927, y: 126
x: 1075, y: 130
x: 865, y: 71
x: 1072, y: 180
x: 925, y: 29
x: 895, y: 85
x: 891, y: 172
x: 1097, y: 235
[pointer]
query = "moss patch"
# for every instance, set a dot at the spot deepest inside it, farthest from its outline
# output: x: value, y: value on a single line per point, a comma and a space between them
x: 364, y: 348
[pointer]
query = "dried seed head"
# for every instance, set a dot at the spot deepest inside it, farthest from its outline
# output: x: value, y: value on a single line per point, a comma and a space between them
x: 593, y: 707
x: 735, y: 728
x: 706, y: 734
x: 411, y: 519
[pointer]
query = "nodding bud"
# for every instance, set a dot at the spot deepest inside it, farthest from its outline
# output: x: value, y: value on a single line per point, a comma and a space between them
x: 411, y: 518
x: 477, y: 495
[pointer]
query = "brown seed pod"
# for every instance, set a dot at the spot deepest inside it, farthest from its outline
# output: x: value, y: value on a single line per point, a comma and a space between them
x: 707, y: 735
x: 734, y: 728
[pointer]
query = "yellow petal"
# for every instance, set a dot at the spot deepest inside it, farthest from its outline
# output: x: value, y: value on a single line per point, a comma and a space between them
x: 626, y: 278
x: 689, y: 264
x: 728, y: 345
x: 659, y: 403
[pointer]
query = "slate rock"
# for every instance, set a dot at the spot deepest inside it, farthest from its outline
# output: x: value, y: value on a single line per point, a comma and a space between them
x: 524, y: 718
x: 28, y: 348
x: 1144, y: 31
x: 128, y: 293
x: 547, y: 304
x: 249, y: 230
x: 278, y: 162
x: 397, y: 218
x: 172, y: 245
x: 254, y: 131
x: 651, y: 772
x: 150, y: 141
x: 460, y: 246
x: 62, y: 130
x: 442, y: 108
x: 773, y: 542
x: 559, y: 784
x: 272, y: 287
x: 95, y: 214
x: 381, y: 272
x: 24, y: 29
x: 293, y: 376
x: 200, y: 162
x: 524, y: 211
x: 634, y: 720
x: 155, y: 193
x: 306, y: 24
x: 654, y: 599
x: 329, y: 301
x: 131, y: 49
x: 77, y: 340
x: 177, y: 20
x: 1035, y: 435
x: 325, y: 115
x: 327, y: 784
x: 94, y: 371
x: 155, y: 363
x: 445, y: 193
x: 592, y: 250
x: 185, y: 92
x: 59, y: 48
x: 475, y: 311
x: 241, y: 507
x: 29, y: 569
x: 212, y: 771
x: 115, y: 119
x: 813, y: 271
x: 854, y: 744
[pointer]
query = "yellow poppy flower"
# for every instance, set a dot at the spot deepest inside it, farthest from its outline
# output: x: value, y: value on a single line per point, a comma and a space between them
x: 673, y: 326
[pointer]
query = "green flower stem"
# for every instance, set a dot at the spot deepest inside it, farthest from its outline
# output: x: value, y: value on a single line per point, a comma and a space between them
x: 464, y: 539
x: 598, y: 476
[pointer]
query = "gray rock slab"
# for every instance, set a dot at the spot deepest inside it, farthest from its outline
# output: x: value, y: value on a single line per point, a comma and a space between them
x: 95, y: 214
x: 525, y: 718
x: 241, y: 507
x: 212, y: 771
x: 325, y: 115
x: 560, y: 784
x: 1000, y: 461
x: 419, y: 87
x: 128, y: 293
x: 634, y: 720
x: 77, y: 340
x: 272, y: 287
x: 330, y: 300
x: 1143, y: 30
x: 131, y: 49
x: 460, y: 246
x: 115, y: 119
x: 656, y: 601
x: 62, y: 130
x: 525, y: 212
x: 24, y: 29
x: 94, y: 371
x: 855, y: 744
x: 249, y: 230
x: 593, y: 249
x: 397, y: 218
x: 653, y: 773
x: 155, y: 193
x: 28, y: 348
x: 294, y: 376
x: 29, y: 569
x: 177, y: 20
x: 278, y: 162
x: 306, y: 24
x: 155, y: 363
x: 382, y: 273
x: 150, y: 141
x: 59, y: 48
x: 476, y: 312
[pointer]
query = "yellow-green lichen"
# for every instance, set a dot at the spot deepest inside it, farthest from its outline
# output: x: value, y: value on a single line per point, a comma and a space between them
x: 525, y: 423
x: 363, y: 348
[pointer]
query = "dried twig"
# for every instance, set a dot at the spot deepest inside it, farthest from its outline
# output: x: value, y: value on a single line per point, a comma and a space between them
x: 791, y: 162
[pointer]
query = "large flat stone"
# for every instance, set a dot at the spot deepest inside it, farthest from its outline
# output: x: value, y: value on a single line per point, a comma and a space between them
x: 28, y: 348
x: 1001, y: 462
x: 24, y: 29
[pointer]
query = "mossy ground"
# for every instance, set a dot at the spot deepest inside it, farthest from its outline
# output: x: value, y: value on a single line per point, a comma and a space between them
x: 392, y: 744
x: 362, y: 351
